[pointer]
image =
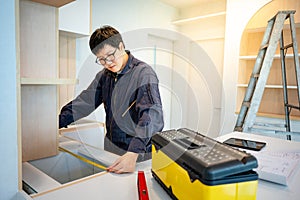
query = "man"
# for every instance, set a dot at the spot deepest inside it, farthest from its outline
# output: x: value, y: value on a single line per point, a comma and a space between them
x: 128, y: 88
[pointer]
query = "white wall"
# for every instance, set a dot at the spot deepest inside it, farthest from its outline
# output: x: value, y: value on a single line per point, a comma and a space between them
x: 208, y: 34
x: 8, y: 103
x: 132, y: 14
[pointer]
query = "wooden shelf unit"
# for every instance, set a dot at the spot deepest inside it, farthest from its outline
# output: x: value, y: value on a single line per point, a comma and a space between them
x: 272, y: 101
x: 42, y: 75
x: 38, y: 58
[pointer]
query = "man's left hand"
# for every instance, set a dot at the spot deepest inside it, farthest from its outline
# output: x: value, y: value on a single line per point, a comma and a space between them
x: 124, y: 164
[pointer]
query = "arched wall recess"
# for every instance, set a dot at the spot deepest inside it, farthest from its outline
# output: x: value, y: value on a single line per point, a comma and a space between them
x: 272, y: 103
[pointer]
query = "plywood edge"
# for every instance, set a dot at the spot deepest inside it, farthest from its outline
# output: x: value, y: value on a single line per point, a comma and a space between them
x: 49, y: 81
x: 79, y: 127
x: 55, y: 3
x: 91, y: 15
x: 72, y: 34
x: 19, y: 132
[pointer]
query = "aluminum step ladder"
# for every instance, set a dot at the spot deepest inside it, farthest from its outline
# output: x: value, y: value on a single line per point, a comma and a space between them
x: 272, y: 37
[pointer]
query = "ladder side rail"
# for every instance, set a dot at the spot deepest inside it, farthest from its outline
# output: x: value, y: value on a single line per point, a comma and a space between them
x: 253, y: 78
x: 265, y: 70
x: 284, y: 83
x: 295, y: 51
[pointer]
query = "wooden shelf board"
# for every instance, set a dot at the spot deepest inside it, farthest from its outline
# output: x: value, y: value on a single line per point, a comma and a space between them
x: 269, y: 86
x: 277, y: 56
x: 55, y: 3
x: 48, y: 81
x: 271, y: 115
x: 182, y: 21
x: 263, y: 29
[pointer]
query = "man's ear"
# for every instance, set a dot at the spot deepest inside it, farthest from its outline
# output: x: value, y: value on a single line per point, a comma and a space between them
x: 121, y: 46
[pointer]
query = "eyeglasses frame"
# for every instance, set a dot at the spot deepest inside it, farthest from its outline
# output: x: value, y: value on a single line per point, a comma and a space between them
x: 104, y: 60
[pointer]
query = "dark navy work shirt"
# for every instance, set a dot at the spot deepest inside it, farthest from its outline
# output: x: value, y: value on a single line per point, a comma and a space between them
x: 131, y: 101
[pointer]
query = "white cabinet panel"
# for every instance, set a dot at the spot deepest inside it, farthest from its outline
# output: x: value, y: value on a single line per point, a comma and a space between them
x: 75, y: 17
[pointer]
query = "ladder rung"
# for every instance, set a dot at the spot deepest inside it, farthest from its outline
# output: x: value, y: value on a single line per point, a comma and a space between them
x: 286, y: 132
x: 292, y: 106
x: 261, y: 124
x: 261, y: 131
x: 238, y: 128
x: 264, y: 46
x: 254, y: 75
x: 288, y: 46
x: 246, y: 103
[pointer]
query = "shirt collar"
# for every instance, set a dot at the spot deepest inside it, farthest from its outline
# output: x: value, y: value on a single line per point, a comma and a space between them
x: 128, y: 65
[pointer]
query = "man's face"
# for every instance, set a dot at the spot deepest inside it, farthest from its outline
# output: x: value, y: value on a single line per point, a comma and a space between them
x: 111, y: 58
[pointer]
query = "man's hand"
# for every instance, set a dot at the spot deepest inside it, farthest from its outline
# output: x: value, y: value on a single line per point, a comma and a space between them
x: 124, y: 164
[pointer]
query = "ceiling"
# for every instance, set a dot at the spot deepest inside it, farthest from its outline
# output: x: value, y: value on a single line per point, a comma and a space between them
x: 184, y: 3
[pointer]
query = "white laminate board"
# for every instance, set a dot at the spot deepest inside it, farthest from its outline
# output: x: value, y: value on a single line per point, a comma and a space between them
x: 105, y: 186
x: 38, y: 180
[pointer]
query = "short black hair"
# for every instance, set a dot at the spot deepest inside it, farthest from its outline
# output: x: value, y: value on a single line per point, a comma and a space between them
x: 105, y: 35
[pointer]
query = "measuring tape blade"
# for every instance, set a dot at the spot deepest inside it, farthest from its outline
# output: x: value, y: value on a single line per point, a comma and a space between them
x: 82, y: 158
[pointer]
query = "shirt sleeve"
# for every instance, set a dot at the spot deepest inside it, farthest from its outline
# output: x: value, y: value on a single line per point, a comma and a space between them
x: 149, y: 112
x: 85, y: 103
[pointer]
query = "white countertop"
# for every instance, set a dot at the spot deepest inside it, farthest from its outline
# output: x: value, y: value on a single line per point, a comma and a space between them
x: 114, y: 186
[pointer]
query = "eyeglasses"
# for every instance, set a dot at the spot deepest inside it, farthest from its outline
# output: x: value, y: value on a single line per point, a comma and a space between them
x: 109, y: 58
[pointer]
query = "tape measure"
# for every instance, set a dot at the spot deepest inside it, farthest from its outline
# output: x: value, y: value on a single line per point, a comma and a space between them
x: 82, y: 158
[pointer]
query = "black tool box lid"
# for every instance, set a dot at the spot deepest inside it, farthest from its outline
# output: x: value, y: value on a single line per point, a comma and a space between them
x: 204, y: 158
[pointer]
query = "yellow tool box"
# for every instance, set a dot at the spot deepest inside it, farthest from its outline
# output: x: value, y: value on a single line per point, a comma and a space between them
x: 189, y: 166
